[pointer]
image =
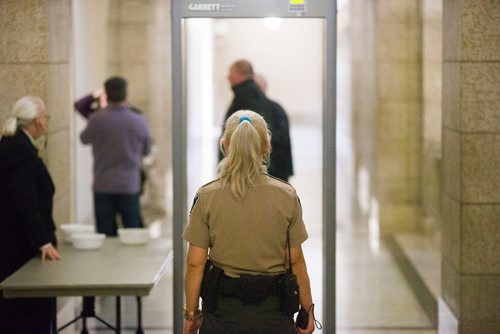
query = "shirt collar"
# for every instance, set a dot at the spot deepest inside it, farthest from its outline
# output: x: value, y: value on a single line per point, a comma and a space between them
x: 29, y: 136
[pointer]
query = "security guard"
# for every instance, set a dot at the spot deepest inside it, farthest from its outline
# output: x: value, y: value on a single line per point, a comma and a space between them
x: 240, y: 221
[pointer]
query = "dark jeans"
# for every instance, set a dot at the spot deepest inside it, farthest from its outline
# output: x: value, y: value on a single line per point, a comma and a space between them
x: 233, y: 317
x: 107, y: 206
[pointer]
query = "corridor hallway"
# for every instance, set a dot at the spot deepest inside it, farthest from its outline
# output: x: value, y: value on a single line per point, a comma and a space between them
x: 382, y: 282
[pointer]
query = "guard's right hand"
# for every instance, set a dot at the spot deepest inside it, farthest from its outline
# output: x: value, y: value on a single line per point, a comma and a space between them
x: 192, y: 326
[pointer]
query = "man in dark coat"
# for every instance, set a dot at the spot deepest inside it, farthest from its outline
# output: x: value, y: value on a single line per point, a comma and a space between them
x: 281, y: 156
x: 26, y: 224
x: 247, y: 95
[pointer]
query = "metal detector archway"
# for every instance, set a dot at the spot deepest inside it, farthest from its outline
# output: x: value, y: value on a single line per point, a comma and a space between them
x: 324, y: 9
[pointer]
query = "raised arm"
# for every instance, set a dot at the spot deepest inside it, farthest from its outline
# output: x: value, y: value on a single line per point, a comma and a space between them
x: 91, y: 103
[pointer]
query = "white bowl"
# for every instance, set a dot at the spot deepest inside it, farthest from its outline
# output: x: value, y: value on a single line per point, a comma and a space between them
x: 68, y: 229
x: 88, y: 240
x: 133, y: 236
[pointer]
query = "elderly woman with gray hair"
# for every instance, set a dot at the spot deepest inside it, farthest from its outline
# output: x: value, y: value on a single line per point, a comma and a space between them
x: 26, y: 225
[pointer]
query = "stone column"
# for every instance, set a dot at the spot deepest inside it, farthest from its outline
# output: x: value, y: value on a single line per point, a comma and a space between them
x: 128, y: 47
x: 432, y: 59
x: 471, y: 173
x: 139, y: 50
x: 35, y: 51
x: 160, y: 103
x: 399, y: 113
x: 364, y: 105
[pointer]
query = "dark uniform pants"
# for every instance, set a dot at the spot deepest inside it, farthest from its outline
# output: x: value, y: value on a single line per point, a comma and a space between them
x: 233, y: 317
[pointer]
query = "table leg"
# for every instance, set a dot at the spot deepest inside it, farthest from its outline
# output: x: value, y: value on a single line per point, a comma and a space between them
x: 139, y: 316
x: 53, y: 324
x: 118, y: 315
x: 88, y: 311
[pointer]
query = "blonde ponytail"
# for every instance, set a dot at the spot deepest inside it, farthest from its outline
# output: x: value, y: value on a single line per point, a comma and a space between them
x: 247, y: 137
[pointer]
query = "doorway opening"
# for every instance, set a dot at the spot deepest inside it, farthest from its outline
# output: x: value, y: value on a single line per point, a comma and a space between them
x: 295, y: 80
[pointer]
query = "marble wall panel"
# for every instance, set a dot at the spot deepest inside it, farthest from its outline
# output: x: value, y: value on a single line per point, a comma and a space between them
x: 399, y: 81
x: 133, y: 42
x: 58, y: 96
x: 25, y: 32
x: 480, y: 170
x: 451, y: 30
x: 480, y: 235
x: 480, y: 29
x: 451, y: 96
x: 160, y: 98
x: 450, y: 286
x: 430, y: 183
x: 135, y: 11
x: 58, y: 160
x: 397, y: 191
x: 450, y: 228
x: 138, y: 78
x: 3, y: 37
x: 397, y: 42
x: 399, y: 218
x: 61, y: 212
x: 35, y: 57
x: 451, y: 164
x: 59, y: 29
x: 415, y: 173
x: 20, y: 80
x: 393, y: 121
x: 6, y: 97
x: 483, y: 327
x: 480, y: 298
x: 392, y: 169
x: 113, y: 47
x: 397, y: 11
x: 480, y: 97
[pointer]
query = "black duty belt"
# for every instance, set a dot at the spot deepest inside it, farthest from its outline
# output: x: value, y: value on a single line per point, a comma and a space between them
x: 250, y: 289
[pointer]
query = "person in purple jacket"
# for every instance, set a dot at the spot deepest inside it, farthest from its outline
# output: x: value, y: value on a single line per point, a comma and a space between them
x: 120, y: 138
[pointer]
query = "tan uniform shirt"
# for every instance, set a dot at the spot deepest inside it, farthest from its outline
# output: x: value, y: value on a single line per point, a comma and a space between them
x: 246, y: 235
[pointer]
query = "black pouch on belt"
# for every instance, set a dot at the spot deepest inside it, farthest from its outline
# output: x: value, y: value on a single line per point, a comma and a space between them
x: 210, y: 286
x: 289, y: 296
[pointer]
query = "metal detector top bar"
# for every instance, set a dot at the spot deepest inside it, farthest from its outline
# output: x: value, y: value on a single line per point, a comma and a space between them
x: 253, y: 8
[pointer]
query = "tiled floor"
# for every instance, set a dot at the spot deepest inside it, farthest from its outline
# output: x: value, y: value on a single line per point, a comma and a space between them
x: 375, y: 292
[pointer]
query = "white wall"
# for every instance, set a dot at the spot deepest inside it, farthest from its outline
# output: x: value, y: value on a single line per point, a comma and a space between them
x: 202, y: 141
x: 291, y: 59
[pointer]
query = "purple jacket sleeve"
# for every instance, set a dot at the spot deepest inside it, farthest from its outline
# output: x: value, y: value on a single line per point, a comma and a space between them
x: 84, y: 106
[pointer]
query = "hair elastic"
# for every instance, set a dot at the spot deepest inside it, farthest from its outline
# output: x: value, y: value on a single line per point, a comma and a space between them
x: 245, y: 118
